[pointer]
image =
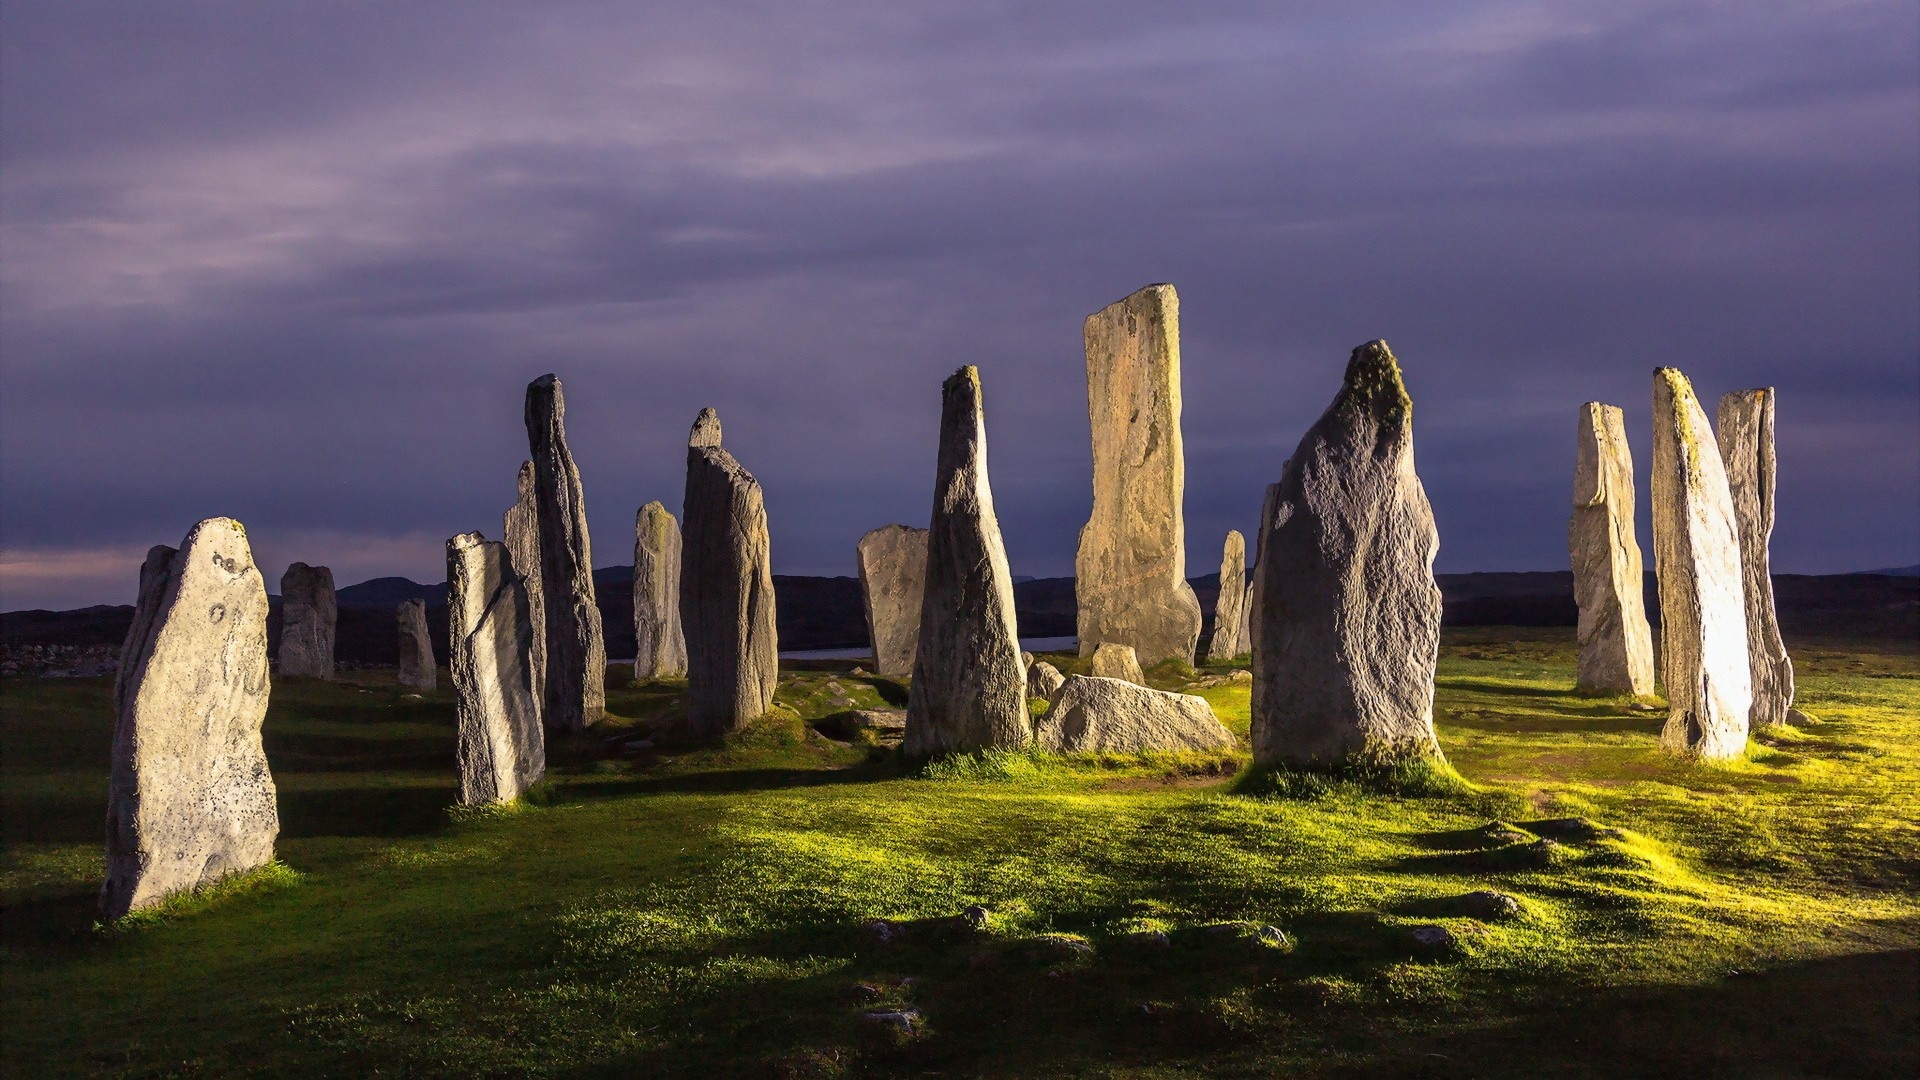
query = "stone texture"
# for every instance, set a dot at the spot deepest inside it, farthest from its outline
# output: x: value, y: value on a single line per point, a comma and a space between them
x: 501, y: 749
x: 190, y: 799
x: 1111, y: 661
x: 726, y: 589
x: 1269, y: 506
x: 308, y: 612
x: 1746, y: 450
x: 1130, y: 576
x: 893, y: 579
x: 1229, y: 610
x: 1090, y: 714
x: 576, y: 660
x: 1696, y: 555
x: 1616, y: 646
x: 1348, y: 631
x: 417, y: 668
x: 969, y: 692
x: 522, y: 532
x: 1043, y: 680
x: 660, y: 648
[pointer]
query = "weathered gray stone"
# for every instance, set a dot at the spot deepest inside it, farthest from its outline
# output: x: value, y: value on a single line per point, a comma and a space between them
x: 1091, y: 714
x: 1616, y: 646
x: 1696, y: 556
x: 1112, y: 661
x: 726, y: 589
x: 308, y: 612
x: 417, y: 668
x: 576, y: 660
x: 1746, y: 450
x: 893, y: 579
x: 1130, y: 576
x: 968, y: 692
x: 502, y: 749
x: 1348, y: 631
x: 1043, y: 680
x: 1269, y: 506
x: 190, y: 798
x: 522, y: 531
x: 660, y: 647
x: 1229, y: 610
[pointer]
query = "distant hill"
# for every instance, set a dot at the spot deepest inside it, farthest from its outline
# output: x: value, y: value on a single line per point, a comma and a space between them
x: 1898, y: 571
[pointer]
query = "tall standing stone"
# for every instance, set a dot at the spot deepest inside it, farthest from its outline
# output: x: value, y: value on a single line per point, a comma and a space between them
x: 1229, y: 609
x: 190, y: 799
x: 1616, y: 646
x: 417, y: 668
x: 502, y: 749
x: 522, y: 531
x: 1348, y: 633
x: 308, y: 612
x: 969, y: 691
x: 1269, y: 505
x: 1130, y: 576
x: 893, y: 579
x: 660, y: 647
x: 726, y: 589
x: 1746, y: 449
x: 576, y: 662
x: 1696, y: 556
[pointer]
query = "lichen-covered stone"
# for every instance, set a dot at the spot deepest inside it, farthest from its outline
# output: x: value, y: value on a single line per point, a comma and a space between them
x: 1616, y: 646
x: 969, y: 692
x: 522, y: 532
x: 1229, y: 610
x: 1696, y: 556
x: 502, y: 748
x: 1130, y: 576
x: 190, y: 799
x: 417, y: 668
x: 893, y: 580
x: 1348, y: 632
x: 1746, y: 450
x: 660, y: 646
x: 726, y: 589
x: 576, y: 660
x: 1093, y: 714
x: 308, y: 612
x: 1112, y: 661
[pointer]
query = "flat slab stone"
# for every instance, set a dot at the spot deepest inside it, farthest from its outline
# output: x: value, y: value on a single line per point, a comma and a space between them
x: 576, y: 660
x: 726, y: 589
x: 190, y: 798
x: 1746, y: 450
x: 502, y: 747
x: 1091, y: 714
x: 1111, y: 661
x: 1616, y: 646
x: 893, y: 581
x: 417, y: 668
x: 660, y: 646
x: 309, y: 611
x: 1229, y: 610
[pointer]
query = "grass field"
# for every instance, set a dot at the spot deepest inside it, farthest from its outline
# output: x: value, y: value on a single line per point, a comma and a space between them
x: 706, y: 912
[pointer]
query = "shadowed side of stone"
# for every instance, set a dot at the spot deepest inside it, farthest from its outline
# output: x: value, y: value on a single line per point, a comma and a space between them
x: 893, y: 580
x: 1616, y: 646
x: 1746, y: 450
x: 417, y: 668
x: 309, y: 613
x: 726, y: 589
x: 502, y: 747
x: 576, y: 660
x: 660, y: 646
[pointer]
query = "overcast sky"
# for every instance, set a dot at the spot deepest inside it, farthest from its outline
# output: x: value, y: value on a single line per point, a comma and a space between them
x: 296, y: 263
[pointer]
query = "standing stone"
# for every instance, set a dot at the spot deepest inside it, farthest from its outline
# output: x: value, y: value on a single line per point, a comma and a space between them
x: 1130, y: 576
x: 522, y: 531
x: 190, y: 799
x: 1696, y: 556
x: 969, y: 692
x: 1229, y: 609
x: 660, y: 647
x: 576, y: 661
x: 417, y: 668
x: 726, y: 589
x: 1746, y: 449
x: 308, y: 612
x: 1269, y: 505
x: 1111, y: 661
x: 1616, y: 647
x: 893, y: 578
x: 502, y: 749
x: 1348, y: 633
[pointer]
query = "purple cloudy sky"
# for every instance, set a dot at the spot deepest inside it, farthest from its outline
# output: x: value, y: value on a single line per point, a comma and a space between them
x: 295, y: 263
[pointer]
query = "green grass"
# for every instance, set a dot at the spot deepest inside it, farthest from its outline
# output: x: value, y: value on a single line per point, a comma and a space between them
x: 705, y: 911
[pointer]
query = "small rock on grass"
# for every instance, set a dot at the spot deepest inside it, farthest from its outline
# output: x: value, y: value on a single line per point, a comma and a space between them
x: 977, y: 916
x: 1490, y: 906
x: 1271, y: 937
x: 1434, y: 940
x: 894, y: 1025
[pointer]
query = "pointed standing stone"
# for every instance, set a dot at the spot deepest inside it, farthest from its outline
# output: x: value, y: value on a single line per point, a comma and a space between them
x: 1229, y: 609
x: 417, y: 668
x: 1746, y: 449
x: 1696, y: 556
x: 308, y: 612
x: 893, y: 578
x: 190, y: 799
x: 1348, y: 633
x: 726, y: 589
x: 1269, y: 504
x: 660, y: 647
x: 1616, y: 646
x: 576, y: 661
x: 502, y: 749
x: 969, y: 692
x: 1130, y: 576
x: 522, y: 531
